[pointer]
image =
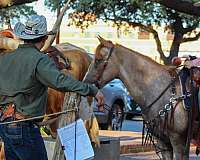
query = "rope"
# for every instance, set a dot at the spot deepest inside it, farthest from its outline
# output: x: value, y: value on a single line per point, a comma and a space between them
x: 39, y: 117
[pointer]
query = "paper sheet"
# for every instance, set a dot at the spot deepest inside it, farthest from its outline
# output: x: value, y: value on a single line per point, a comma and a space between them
x: 67, y: 137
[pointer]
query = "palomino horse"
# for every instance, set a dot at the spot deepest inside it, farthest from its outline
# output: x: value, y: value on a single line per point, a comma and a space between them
x: 145, y: 80
x: 79, y: 63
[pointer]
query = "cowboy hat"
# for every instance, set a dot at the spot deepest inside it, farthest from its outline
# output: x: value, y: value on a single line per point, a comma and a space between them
x: 35, y: 27
x: 197, y: 4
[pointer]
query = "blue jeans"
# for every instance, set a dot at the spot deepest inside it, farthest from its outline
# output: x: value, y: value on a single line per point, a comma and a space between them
x: 23, y: 141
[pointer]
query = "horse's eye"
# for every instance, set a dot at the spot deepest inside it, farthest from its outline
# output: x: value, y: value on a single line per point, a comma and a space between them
x: 98, y: 61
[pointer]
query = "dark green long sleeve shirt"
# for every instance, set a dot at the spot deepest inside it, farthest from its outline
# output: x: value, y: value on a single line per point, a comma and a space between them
x: 25, y: 76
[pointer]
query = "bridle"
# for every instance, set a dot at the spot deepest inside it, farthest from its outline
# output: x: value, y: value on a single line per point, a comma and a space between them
x: 99, y: 61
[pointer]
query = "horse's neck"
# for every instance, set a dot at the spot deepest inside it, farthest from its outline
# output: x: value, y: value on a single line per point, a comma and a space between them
x: 144, y: 78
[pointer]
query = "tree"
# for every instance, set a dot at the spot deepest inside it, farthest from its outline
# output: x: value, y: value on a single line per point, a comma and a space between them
x: 185, y: 6
x: 6, y: 14
x: 137, y: 13
x: 9, y: 3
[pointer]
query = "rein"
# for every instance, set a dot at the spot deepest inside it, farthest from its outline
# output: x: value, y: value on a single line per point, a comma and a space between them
x: 162, y: 93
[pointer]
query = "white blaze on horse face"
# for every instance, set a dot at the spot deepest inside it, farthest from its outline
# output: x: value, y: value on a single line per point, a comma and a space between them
x: 104, y: 52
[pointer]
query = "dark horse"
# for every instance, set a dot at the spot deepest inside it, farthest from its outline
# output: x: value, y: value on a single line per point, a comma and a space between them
x: 145, y: 80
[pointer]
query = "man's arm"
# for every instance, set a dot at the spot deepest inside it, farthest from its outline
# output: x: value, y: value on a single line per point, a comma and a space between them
x: 47, y: 73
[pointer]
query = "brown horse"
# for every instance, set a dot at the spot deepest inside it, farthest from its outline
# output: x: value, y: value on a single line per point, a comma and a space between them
x: 79, y: 63
x: 145, y: 80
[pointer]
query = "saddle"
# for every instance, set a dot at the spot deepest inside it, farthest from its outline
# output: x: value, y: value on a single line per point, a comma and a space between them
x: 58, y: 57
x: 196, y: 75
x: 186, y: 79
x: 193, y: 76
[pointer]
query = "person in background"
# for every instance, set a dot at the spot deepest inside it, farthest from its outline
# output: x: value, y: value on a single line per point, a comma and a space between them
x: 192, y: 63
x: 26, y: 74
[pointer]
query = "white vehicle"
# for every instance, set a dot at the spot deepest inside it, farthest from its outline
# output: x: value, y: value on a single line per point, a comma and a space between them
x: 118, y: 104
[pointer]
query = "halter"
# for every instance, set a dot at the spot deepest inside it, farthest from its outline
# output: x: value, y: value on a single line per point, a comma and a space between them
x: 105, y: 64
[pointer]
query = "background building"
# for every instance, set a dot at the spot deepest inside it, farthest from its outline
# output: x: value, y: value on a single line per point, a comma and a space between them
x: 135, y: 39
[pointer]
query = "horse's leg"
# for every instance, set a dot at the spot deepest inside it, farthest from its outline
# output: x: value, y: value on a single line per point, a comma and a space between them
x: 2, y: 153
x: 179, y: 148
x: 165, y: 149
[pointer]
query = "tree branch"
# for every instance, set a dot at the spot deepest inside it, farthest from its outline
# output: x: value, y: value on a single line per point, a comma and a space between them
x: 148, y: 29
x: 190, y: 29
x: 180, y: 5
x: 190, y: 39
x: 9, y: 3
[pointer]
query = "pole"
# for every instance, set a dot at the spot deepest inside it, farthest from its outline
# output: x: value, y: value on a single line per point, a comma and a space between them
x: 58, y: 33
x: 69, y: 102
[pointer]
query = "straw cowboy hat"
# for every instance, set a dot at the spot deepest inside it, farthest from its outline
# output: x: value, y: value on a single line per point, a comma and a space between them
x: 35, y: 27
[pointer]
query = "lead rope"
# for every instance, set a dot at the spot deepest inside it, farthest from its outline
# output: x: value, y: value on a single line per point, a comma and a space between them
x: 76, y: 117
x: 76, y: 102
x: 189, y: 132
x: 75, y: 136
x: 38, y: 117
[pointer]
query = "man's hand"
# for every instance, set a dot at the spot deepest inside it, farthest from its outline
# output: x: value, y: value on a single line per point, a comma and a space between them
x: 188, y: 64
x: 100, y: 100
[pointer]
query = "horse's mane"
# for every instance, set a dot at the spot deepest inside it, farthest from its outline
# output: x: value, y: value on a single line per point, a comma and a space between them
x: 138, y: 54
x: 97, y: 52
x: 72, y: 48
x: 68, y: 46
x: 170, y: 69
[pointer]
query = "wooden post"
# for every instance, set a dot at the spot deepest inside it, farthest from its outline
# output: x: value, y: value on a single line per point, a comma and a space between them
x: 58, y: 33
x: 69, y: 103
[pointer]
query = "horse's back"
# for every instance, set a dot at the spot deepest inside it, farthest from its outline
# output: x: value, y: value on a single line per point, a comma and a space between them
x: 79, y: 63
x: 78, y: 57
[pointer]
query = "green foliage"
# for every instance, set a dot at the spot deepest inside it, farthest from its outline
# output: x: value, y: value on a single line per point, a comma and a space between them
x: 137, y: 11
x: 53, y: 4
x: 134, y: 13
x: 120, y: 11
x: 15, y: 12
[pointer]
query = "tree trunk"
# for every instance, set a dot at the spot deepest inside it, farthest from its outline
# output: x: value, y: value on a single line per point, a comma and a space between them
x: 69, y: 103
x: 174, y: 50
x: 178, y: 29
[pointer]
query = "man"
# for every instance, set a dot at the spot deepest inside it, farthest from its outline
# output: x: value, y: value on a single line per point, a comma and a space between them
x: 26, y: 74
x: 192, y: 63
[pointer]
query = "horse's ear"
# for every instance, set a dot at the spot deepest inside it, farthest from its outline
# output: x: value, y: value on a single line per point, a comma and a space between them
x: 104, y: 42
x: 101, y: 40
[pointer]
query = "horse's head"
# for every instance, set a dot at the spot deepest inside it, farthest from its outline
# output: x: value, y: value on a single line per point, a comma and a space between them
x: 103, y: 67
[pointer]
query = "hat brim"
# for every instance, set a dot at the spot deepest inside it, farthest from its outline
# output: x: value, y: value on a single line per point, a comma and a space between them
x: 197, y: 4
x: 19, y: 31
